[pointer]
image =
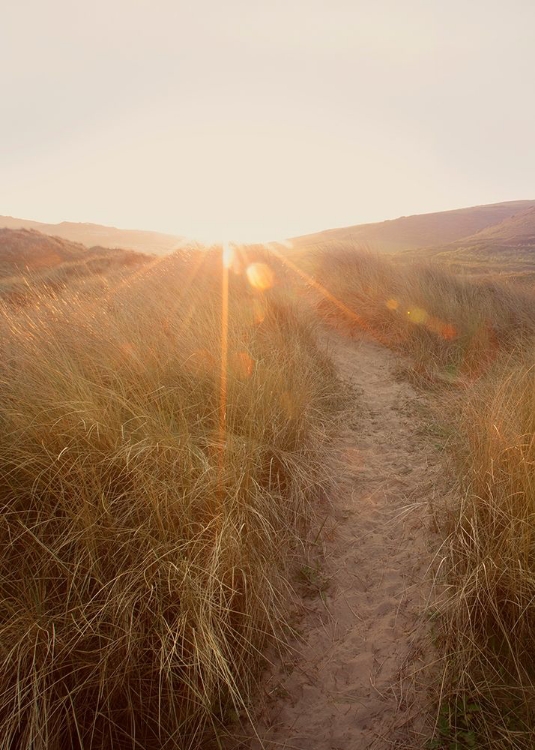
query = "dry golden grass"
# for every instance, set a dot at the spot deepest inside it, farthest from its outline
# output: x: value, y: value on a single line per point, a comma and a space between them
x: 156, y: 476
x: 473, y: 344
x: 156, y: 473
x: 104, y: 270
x: 452, y: 327
x: 487, y: 607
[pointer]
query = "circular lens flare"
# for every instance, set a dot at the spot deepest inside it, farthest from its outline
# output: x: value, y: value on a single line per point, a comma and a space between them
x: 260, y: 276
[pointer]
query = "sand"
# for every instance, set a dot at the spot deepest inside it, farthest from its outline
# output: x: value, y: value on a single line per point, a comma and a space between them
x: 356, y: 679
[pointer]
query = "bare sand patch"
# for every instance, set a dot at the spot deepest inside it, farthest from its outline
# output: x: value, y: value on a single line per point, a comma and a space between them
x: 354, y: 682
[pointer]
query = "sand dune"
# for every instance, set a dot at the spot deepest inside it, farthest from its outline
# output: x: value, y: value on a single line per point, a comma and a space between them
x: 356, y: 680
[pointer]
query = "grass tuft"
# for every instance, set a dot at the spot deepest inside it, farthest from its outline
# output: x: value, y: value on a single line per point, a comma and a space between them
x: 160, y: 446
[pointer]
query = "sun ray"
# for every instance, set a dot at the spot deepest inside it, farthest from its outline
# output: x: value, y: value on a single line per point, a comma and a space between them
x: 136, y: 276
x: 351, y: 314
x: 185, y: 285
x: 223, y: 374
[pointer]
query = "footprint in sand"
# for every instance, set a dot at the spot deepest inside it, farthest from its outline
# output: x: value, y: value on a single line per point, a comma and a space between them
x: 352, y: 687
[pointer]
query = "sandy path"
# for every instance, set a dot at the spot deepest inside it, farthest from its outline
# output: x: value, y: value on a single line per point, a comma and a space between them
x: 351, y: 686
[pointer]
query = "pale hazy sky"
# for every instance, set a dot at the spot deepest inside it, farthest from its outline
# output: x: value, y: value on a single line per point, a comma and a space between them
x: 260, y: 120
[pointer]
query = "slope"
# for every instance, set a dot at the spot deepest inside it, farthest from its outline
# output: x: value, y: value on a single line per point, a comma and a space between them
x: 95, y: 234
x: 505, y: 248
x: 24, y: 250
x: 420, y: 230
x: 31, y: 261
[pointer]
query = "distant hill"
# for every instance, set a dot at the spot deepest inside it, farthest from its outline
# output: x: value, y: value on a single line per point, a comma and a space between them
x: 501, y: 235
x: 506, y: 248
x: 30, y: 261
x: 90, y: 235
x: 420, y: 230
x: 518, y: 231
x: 28, y: 251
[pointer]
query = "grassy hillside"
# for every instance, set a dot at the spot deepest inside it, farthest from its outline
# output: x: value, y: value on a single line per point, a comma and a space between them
x: 27, y: 251
x: 419, y: 231
x: 519, y: 230
x: 505, y: 248
x: 396, y: 235
x: 90, y: 235
x: 162, y: 443
x: 32, y: 263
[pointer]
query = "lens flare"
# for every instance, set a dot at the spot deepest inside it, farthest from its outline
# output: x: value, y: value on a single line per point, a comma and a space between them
x: 448, y: 332
x: 242, y: 365
x: 417, y: 315
x: 259, y: 310
x: 228, y: 255
x: 223, y: 386
x: 260, y: 276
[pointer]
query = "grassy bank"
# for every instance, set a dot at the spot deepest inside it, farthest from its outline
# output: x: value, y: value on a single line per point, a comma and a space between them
x: 104, y: 270
x: 453, y: 327
x: 487, y: 608
x: 470, y: 342
x: 161, y: 442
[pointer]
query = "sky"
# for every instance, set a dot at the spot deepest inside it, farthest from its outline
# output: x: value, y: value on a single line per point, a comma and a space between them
x: 263, y: 119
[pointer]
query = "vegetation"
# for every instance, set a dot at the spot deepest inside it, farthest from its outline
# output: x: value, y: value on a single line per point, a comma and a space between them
x: 92, y: 235
x: 33, y: 264
x: 488, y: 606
x: 162, y: 440
x: 434, y: 233
x: 504, y: 249
x: 472, y: 343
x: 165, y: 430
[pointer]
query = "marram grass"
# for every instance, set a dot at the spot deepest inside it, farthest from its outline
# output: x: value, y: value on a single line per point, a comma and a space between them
x: 158, y: 459
x: 471, y: 344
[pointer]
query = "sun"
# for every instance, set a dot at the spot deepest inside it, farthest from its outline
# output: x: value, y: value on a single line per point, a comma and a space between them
x: 238, y: 239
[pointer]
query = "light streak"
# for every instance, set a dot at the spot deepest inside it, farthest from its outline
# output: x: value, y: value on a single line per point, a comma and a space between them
x: 223, y: 377
x: 351, y: 314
